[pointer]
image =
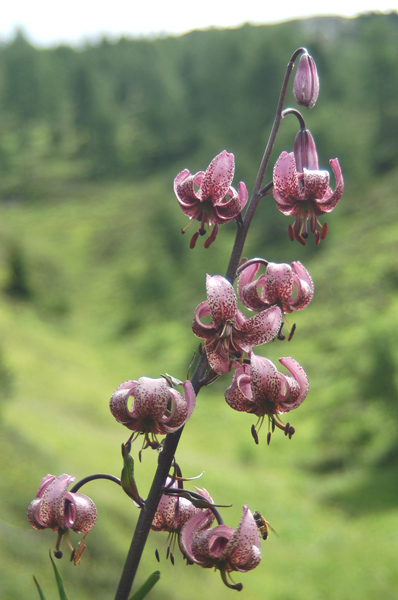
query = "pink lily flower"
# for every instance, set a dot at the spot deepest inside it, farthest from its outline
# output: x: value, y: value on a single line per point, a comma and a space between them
x: 57, y: 509
x: 230, y: 334
x: 290, y: 287
x: 302, y: 191
x: 222, y: 547
x: 174, y: 511
x: 156, y: 408
x: 261, y: 390
x: 209, y: 204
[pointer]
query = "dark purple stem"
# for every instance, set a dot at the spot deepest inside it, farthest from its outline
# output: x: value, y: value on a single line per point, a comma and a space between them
x: 85, y: 480
x: 256, y: 195
x: 166, y: 457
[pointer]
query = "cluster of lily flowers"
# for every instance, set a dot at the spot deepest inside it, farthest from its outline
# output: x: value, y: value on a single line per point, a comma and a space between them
x: 153, y: 407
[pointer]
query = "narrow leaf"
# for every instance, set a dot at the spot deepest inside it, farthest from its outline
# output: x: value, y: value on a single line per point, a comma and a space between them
x: 39, y: 589
x: 146, y: 587
x: 58, y: 579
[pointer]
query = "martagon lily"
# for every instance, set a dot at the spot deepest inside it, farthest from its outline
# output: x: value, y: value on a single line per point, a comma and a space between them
x: 229, y: 334
x: 214, y: 202
x: 290, y: 287
x: 260, y: 389
x: 157, y: 408
x: 57, y: 509
x: 301, y: 190
x: 222, y: 547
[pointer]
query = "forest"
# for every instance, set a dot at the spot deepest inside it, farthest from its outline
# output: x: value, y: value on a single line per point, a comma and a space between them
x: 97, y: 286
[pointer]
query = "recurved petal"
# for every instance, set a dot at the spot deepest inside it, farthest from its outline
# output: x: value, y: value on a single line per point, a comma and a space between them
x: 305, y: 287
x: 244, y: 546
x: 239, y: 395
x: 260, y: 328
x: 184, y: 189
x: 189, y: 531
x: 218, y: 177
x: 181, y: 408
x: 222, y: 300
x: 265, y: 380
x: 286, y: 185
x: 330, y: 199
x: 278, y: 284
x: 316, y: 184
x: 293, y: 395
x: 200, y: 329
x: 248, y: 288
x: 150, y: 398
x: 51, y: 509
x: 80, y: 513
x: 227, y: 209
x: 119, y: 401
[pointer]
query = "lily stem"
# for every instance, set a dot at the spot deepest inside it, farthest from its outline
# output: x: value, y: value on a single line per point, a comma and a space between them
x: 256, y: 195
x: 166, y: 457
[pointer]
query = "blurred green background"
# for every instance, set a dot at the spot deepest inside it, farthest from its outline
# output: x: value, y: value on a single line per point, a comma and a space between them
x: 98, y: 286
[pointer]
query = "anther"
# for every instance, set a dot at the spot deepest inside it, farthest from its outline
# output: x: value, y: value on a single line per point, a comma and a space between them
x: 193, y: 240
x: 291, y: 334
x: 254, y: 434
x: 268, y: 438
x: 157, y: 555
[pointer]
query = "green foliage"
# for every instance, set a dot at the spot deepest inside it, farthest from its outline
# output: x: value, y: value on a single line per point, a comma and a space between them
x: 98, y: 286
x: 58, y: 580
x: 146, y: 587
x: 135, y: 106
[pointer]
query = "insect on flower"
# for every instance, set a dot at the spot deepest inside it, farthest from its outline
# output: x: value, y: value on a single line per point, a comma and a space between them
x: 263, y: 525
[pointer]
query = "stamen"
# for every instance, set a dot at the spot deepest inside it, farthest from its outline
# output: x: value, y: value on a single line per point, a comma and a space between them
x: 324, y: 231
x: 268, y: 438
x: 254, y: 434
x: 291, y: 334
x: 300, y: 239
x: 290, y: 233
x: 193, y: 240
x: 157, y: 555
x: 211, y: 237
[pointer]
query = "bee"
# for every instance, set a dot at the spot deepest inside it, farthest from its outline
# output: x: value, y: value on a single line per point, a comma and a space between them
x: 262, y: 524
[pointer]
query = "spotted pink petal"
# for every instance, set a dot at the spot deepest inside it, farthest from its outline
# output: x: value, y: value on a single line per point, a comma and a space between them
x: 80, y: 513
x: 200, y: 329
x: 218, y: 177
x: 329, y: 201
x: 316, y: 184
x: 222, y: 300
x: 243, y: 549
x: 296, y: 387
x: 265, y: 380
x: 286, y: 188
x: 52, y: 508
x: 260, y: 329
x: 278, y: 283
x: 239, y: 394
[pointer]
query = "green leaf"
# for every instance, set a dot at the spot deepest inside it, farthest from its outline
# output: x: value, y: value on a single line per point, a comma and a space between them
x: 146, y: 587
x: 58, y: 579
x: 39, y: 589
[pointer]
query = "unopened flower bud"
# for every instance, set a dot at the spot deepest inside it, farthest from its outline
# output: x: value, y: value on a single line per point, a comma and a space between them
x: 306, y: 82
x: 305, y: 153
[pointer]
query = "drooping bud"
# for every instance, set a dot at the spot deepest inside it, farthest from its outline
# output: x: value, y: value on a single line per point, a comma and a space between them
x: 305, y: 153
x: 306, y: 82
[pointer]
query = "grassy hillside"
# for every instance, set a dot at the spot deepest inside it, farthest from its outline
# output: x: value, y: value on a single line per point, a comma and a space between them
x: 104, y: 291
